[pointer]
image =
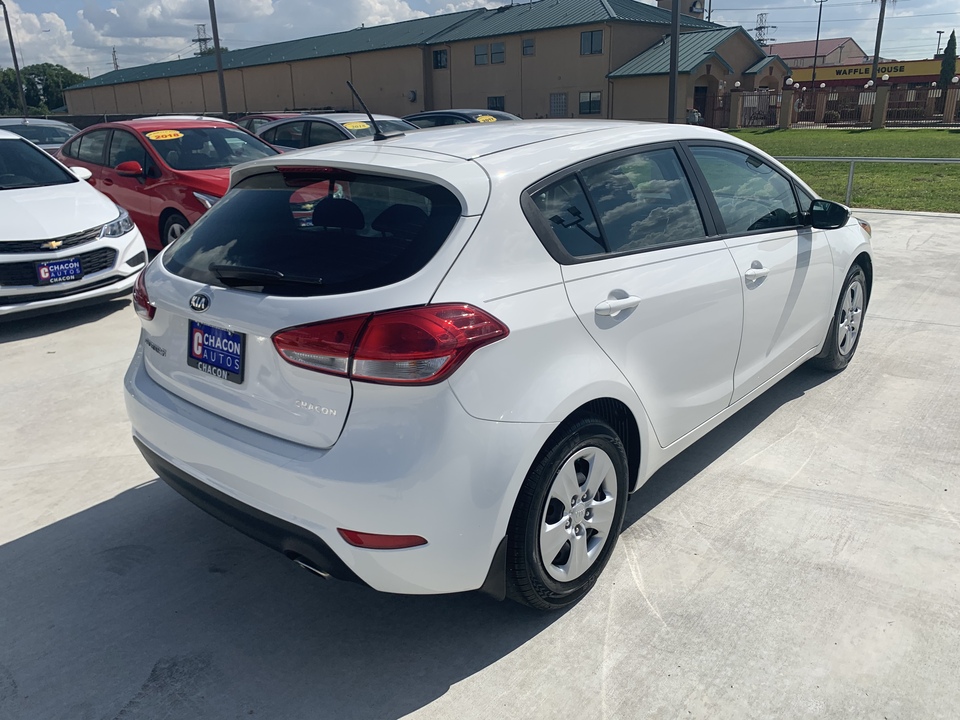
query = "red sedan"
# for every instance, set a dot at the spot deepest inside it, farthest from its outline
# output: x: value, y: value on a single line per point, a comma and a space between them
x: 165, y: 172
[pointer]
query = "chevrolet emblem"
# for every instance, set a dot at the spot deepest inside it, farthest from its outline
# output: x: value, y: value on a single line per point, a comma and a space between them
x: 52, y: 245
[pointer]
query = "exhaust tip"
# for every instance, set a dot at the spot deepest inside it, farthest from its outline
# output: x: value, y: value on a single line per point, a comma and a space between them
x: 307, y: 566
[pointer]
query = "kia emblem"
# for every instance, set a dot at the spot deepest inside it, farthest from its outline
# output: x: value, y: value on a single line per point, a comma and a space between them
x: 199, y: 302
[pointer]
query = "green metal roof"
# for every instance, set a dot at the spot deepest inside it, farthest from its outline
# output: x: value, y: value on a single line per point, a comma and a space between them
x: 362, y: 39
x: 548, y: 14
x: 436, y: 29
x: 754, y: 69
x: 695, y: 49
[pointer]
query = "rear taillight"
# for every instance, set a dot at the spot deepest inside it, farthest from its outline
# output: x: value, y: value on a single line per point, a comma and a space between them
x: 141, y: 301
x: 374, y: 541
x: 401, y: 347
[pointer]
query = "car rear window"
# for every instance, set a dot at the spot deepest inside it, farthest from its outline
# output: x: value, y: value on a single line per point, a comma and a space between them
x: 23, y: 165
x: 305, y: 232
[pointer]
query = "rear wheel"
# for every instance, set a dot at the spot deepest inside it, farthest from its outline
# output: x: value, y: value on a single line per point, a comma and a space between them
x: 844, y: 334
x: 174, y: 226
x: 568, y: 516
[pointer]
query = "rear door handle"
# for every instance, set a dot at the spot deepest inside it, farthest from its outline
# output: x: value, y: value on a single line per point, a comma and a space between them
x: 108, y: 181
x: 612, y: 307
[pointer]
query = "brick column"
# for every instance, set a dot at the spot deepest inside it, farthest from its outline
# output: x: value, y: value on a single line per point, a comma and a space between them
x: 786, y: 108
x: 950, y: 106
x: 736, y: 109
x: 879, y: 118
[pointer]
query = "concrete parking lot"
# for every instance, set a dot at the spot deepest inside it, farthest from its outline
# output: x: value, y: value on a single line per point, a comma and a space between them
x: 802, y: 560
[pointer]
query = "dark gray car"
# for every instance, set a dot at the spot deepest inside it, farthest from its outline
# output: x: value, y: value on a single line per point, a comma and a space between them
x: 49, y: 135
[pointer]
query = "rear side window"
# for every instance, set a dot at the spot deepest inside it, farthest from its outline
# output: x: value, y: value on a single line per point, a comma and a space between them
x: 565, y: 207
x: 91, y: 146
x: 304, y: 234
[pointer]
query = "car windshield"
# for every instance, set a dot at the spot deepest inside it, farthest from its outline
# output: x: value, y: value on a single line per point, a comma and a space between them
x: 206, y: 148
x: 305, y: 234
x: 43, y: 134
x: 363, y: 128
x: 24, y: 165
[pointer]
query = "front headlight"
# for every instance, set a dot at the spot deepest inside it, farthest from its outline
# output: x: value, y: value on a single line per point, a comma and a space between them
x: 208, y: 201
x: 121, y: 226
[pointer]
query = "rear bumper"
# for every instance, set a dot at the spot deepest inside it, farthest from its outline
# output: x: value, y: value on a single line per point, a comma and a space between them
x: 409, y: 461
x: 287, y: 538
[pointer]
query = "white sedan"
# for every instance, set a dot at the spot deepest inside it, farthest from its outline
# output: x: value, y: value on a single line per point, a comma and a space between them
x: 62, y: 242
x: 441, y: 362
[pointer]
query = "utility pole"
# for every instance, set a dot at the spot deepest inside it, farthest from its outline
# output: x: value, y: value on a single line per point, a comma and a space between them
x: 876, y: 48
x: 13, y: 54
x: 939, y: 37
x: 203, y: 42
x: 116, y: 65
x: 674, y: 60
x: 816, y: 47
x: 216, y: 51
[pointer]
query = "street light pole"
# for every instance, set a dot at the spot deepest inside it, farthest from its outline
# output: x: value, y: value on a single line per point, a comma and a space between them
x: 13, y: 53
x: 939, y: 37
x: 216, y: 51
x: 816, y: 45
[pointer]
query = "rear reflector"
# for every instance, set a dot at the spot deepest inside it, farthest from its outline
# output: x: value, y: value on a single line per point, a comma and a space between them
x: 421, y: 345
x: 372, y: 541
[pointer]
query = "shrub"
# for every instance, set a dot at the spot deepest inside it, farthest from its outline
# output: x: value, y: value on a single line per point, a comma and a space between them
x: 831, y: 116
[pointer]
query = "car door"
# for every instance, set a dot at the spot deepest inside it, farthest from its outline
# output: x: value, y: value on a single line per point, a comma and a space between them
x: 656, y: 290
x: 134, y: 194
x: 89, y: 151
x: 786, y: 267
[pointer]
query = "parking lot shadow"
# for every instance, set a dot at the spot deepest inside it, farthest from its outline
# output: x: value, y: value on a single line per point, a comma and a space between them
x: 144, y: 607
x: 688, y: 464
x: 31, y: 325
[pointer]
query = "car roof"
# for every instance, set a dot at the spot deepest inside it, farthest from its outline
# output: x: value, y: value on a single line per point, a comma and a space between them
x: 7, y: 135
x: 165, y: 122
x: 465, y: 112
x: 342, y: 117
x: 34, y: 121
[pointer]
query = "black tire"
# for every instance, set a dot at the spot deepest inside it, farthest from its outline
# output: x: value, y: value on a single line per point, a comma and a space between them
x: 173, y: 227
x: 538, y: 512
x: 843, y: 337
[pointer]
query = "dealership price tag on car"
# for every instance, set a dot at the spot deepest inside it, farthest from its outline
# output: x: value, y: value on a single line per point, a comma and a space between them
x: 216, y: 351
x: 59, y: 271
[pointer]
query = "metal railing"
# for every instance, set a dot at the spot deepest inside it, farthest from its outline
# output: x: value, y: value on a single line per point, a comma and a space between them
x: 854, y: 160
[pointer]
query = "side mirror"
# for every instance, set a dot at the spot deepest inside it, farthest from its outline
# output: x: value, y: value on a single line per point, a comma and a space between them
x: 81, y: 172
x: 826, y: 215
x: 130, y: 168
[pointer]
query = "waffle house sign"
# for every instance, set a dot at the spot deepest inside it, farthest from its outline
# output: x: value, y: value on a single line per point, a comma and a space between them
x: 907, y: 71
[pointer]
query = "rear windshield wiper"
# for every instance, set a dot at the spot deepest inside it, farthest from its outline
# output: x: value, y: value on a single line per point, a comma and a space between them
x: 244, y: 276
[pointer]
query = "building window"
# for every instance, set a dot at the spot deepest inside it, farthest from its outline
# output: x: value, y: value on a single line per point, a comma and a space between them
x: 591, y: 42
x: 529, y: 46
x: 480, y: 54
x: 439, y: 59
x: 558, y: 105
x: 498, y: 53
x: 590, y: 103
x: 495, y: 102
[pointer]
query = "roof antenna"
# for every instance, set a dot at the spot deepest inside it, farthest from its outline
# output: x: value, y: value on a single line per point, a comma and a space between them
x: 378, y: 133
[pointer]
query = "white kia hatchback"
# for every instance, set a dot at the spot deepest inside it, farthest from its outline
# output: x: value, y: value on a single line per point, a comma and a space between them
x: 441, y: 362
x: 62, y: 242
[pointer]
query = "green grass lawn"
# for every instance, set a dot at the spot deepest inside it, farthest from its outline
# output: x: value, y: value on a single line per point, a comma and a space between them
x: 892, y: 186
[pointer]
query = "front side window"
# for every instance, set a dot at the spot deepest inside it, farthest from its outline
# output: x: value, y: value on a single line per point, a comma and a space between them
x: 750, y: 194
x: 591, y: 42
x: 327, y: 232
x: 24, y: 165
x: 495, y: 102
x: 124, y: 147
x: 206, y: 148
x: 498, y: 53
x: 566, y: 209
x: 91, y: 147
x: 529, y: 46
x: 590, y: 103
x: 480, y: 54
x: 439, y: 59
x: 643, y: 201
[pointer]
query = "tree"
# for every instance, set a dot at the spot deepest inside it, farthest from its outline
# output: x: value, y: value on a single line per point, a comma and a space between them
x: 211, y: 51
x: 43, y: 86
x: 948, y: 65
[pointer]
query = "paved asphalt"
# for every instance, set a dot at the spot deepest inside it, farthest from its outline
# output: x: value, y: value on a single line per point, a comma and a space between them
x: 803, y: 560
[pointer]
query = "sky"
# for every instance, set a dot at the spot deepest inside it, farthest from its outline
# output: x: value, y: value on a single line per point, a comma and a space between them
x: 81, y: 34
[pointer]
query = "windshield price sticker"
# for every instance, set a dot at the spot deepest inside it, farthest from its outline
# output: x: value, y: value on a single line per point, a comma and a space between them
x: 357, y: 125
x: 216, y: 351
x: 59, y: 271
x: 486, y: 118
x: 164, y: 135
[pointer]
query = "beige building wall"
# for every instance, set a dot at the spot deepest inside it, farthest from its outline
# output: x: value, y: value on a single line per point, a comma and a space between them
x: 267, y: 87
x: 387, y: 80
x: 187, y: 94
x: 645, y: 98
x: 232, y: 82
x: 128, y: 96
x: 79, y: 102
x: 156, y: 96
x: 313, y: 86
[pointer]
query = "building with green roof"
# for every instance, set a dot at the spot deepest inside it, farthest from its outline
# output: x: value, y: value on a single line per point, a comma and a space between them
x: 549, y: 58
